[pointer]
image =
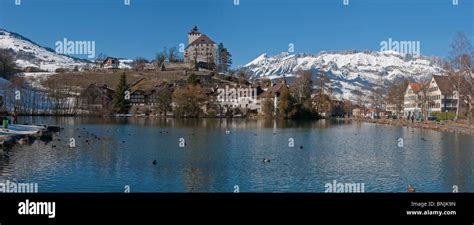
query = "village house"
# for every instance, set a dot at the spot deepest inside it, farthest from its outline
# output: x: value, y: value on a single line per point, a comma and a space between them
x: 357, y: 112
x: 371, y: 113
x: 201, y: 50
x: 412, y: 100
x: 150, y: 66
x: 392, y: 110
x: 138, y: 98
x: 273, y: 93
x: 96, y: 98
x: 443, y: 96
x: 144, y: 98
x: 110, y: 63
x: 238, y: 97
x: 144, y: 94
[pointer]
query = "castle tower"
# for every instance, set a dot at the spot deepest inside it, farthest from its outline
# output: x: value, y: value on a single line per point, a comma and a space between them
x: 193, y: 35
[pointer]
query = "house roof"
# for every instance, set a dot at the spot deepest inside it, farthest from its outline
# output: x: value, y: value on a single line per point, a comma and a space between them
x: 145, y: 85
x: 416, y: 87
x: 114, y: 60
x: 447, y: 85
x: 100, y: 89
x: 149, y: 86
x: 275, y: 89
x: 444, y: 84
x: 203, y: 39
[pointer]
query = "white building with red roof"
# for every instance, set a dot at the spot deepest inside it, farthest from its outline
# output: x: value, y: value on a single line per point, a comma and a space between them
x: 412, y: 100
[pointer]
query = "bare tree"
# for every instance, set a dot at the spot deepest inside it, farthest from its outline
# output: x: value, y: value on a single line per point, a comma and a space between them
x: 322, y: 94
x: 461, y: 56
x: 395, y: 94
x: 139, y: 64
x: 303, y: 86
x: 160, y: 59
x: 172, y: 55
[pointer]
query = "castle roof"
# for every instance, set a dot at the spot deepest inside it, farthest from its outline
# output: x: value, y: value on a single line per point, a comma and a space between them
x: 203, y: 39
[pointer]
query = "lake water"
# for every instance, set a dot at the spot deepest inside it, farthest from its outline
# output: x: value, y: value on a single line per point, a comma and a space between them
x: 115, y: 152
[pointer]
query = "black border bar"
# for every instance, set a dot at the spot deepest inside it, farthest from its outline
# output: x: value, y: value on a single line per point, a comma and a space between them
x: 238, y: 208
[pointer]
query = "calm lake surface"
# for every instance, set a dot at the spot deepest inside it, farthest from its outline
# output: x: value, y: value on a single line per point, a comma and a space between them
x: 111, y: 153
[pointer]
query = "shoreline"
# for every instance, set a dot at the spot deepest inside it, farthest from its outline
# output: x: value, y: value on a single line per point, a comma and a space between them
x: 25, y: 134
x: 450, y: 127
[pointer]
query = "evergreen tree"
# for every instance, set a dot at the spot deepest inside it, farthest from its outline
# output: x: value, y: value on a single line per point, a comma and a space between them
x: 8, y: 66
x: 224, y: 58
x: 121, y: 104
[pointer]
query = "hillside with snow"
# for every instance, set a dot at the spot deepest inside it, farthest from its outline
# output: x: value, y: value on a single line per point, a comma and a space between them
x: 348, y: 71
x: 30, y: 54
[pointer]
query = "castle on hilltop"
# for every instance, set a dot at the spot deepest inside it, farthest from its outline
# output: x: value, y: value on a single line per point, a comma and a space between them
x: 201, y: 50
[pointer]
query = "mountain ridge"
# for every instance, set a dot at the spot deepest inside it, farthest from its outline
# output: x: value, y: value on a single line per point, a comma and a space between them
x: 348, y: 70
x: 30, y: 54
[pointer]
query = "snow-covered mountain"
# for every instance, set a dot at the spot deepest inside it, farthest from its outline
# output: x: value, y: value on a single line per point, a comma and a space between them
x: 30, y: 54
x: 348, y: 71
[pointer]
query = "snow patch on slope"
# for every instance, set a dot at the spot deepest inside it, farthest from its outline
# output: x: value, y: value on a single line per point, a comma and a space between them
x: 30, y: 54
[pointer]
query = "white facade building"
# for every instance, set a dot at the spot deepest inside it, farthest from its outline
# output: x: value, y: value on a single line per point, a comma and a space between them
x: 442, y: 95
x: 200, y: 49
x: 412, y: 100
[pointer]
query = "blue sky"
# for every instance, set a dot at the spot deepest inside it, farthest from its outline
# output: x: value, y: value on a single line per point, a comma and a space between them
x: 249, y: 29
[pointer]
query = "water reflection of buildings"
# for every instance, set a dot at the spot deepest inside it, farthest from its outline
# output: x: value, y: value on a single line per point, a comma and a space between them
x: 456, y: 157
x: 202, y: 162
x: 195, y: 180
